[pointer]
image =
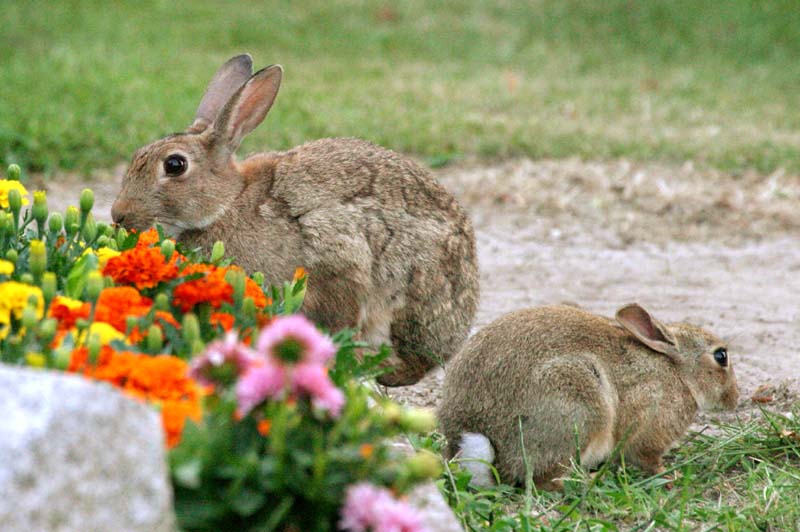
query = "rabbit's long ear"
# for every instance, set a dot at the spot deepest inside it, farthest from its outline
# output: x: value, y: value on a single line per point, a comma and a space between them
x: 247, y: 108
x: 647, y: 330
x: 228, y: 79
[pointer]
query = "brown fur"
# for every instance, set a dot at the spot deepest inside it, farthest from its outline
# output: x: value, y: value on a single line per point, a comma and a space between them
x: 387, y: 249
x: 568, y: 373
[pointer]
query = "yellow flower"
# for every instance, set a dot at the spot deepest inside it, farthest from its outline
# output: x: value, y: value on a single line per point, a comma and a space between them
x: 104, y: 331
x: 5, y: 321
x: 6, y: 267
x: 5, y: 186
x: 35, y: 360
x: 71, y: 304
x: 103, y: 255
x: 14, y: 298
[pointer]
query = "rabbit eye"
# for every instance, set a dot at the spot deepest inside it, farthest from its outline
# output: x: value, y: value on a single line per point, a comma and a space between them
x: 721, y: 356
x: 175, y: 165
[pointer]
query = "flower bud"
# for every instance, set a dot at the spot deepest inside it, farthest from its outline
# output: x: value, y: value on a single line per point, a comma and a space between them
x: 94, y: 285
x: 14, y: 172
x: 89, y: 228
x: 392, y: 412
x: 87, y: 200
x: 47, y: 329
x: 155, y: 339
x: 56, y: 222
x: 161, y: 302
x: 35, y: 360
x: 61, y: 358
x: 102, y: 241
x: 258, y: 277
x: 420, y: 420
x: 39, y: 210
x: 190, y: 326
x: 9, y: 223
x: 81, y: 323
x: 3, y: 222
x: 218, y: 251
x: 236, y: 279
x: 167, y: 249
x: 104, y: 229
x: 14, y: 200
x: 12, y: 255
x: 37, y: 261
x: 122, y: 235
x: 424, y: 465
x: 131, y: 322
x: 249, y: 308
x: 197, y: 347
x: 111, y: 243
x: 49, y: 286
x: 29, y: 319
x: 72, y: 217
x: 26, y: 278
x: 94, y: 344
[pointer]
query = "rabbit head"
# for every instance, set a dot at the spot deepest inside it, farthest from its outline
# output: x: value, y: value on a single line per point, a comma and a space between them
x: 188, y: 180
x: 700, y: 357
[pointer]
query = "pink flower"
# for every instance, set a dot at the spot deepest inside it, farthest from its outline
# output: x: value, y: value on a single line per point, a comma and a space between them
x: 223, y: 361
x: 294, y: 339
x: 313, y: 379
x: 369, y: 507
x: 259, y: 382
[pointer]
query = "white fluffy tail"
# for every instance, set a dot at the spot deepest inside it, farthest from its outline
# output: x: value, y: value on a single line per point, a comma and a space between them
x: 476, y: 456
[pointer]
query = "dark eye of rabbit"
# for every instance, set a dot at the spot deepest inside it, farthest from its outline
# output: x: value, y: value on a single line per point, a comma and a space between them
x: 175, y: 165
x: 721, y: 356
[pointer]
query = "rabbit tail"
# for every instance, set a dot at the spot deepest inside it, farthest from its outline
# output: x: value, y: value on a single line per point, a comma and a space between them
x: 477, y: 456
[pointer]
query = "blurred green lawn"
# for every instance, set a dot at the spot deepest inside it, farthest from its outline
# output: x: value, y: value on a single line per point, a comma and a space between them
x: 82, y: 84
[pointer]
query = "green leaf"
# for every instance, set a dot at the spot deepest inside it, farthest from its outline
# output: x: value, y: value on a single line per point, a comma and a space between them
x: 76, y: 278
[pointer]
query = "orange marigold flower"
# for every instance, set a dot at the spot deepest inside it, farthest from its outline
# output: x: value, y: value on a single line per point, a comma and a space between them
x: 116, y: 303
x: 299, y: 273
x: 211, y: 288
x: 366, y: 450
x: 147, y: 238
x: 264, y: 426
x: 142, y: 267
x: 173, y: 418
x: 163, y: 380
x: 251, y: 289
x: 222, y: 319
x: 68, y: 311
x: 163, y: 377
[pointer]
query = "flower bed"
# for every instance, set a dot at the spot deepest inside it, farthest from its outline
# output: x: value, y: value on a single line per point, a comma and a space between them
x: 267, y: 419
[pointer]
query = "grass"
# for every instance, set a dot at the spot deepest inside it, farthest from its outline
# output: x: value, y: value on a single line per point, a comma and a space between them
x: 84, y: 83
x: 747, y: 477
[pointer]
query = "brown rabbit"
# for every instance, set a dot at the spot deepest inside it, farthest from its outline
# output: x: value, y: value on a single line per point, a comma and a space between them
x: 567, y: 374
x: 387, y: 249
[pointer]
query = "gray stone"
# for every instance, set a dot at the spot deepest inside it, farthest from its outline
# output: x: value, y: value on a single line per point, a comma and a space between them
x: 77, y: 455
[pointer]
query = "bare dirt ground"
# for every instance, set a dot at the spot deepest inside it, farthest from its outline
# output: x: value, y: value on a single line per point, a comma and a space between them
x: 715, y: 249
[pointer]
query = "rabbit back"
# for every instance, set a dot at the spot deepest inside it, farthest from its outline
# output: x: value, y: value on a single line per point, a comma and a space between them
x: 387, y: 248
x: 510, y: 384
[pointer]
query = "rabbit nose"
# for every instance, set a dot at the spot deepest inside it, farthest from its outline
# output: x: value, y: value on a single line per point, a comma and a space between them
x: 119, y: 210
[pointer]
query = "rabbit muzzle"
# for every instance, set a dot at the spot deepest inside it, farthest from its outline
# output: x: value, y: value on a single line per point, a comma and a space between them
x: 124, y: 215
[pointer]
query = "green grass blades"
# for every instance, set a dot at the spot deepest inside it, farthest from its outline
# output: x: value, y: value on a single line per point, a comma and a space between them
x: 83, y: 84
x: 743, y: 475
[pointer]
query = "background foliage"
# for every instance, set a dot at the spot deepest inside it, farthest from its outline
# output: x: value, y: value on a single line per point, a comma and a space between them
x: 83, y: 83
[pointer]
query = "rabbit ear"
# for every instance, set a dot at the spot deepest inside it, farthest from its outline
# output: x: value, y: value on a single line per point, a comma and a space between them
x: 248, y: 107
x: 647, y: 330
x: 228, y: 79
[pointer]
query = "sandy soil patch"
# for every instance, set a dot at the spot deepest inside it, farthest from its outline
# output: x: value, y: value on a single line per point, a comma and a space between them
x: 719, y: 250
